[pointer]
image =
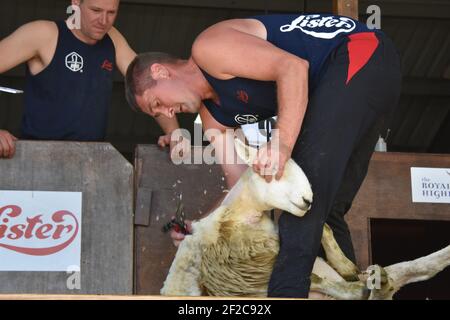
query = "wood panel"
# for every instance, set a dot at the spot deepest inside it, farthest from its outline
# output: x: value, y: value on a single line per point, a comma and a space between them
x: 200, y: 185
x: 348, y: 8
x: 386, y: 193
x: 106, y: 180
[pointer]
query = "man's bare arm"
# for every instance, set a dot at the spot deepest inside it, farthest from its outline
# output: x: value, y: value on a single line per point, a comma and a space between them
x: 222, y: 143
x: 124, y: 53
x: 26, y: 43
x: 237, y: 48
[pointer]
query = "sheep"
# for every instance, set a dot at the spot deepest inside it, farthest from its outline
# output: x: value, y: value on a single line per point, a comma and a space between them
x: 232, y: 251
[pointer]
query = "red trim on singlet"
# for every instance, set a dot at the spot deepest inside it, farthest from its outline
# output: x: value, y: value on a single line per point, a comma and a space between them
x: 360, y: 49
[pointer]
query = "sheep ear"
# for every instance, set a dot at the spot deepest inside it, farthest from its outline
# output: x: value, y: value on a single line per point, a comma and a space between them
x: 246, y: 153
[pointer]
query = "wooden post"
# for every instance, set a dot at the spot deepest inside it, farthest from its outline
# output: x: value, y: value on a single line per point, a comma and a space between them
x: 348, y: 8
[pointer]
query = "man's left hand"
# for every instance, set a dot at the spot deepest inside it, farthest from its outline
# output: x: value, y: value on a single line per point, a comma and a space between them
x: 271, y: 160
x: 180, y: 147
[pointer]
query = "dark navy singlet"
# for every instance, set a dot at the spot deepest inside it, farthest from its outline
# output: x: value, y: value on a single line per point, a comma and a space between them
x: 311, y: 37
x: 70, y: 98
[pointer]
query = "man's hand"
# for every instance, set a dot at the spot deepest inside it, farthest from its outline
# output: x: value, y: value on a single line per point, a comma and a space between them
x: 7, y: 144
x: 271, y: 160
x: 179, y: 148
x: 164, y: 141
x: 177, y: 237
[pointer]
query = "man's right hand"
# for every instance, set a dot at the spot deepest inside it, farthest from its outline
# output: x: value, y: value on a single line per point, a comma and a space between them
x: 7, y: 144
x: 177, y: 237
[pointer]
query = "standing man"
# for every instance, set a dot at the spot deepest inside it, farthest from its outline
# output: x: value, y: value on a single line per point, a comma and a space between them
x: 69, y: 75
x: 330, y: 80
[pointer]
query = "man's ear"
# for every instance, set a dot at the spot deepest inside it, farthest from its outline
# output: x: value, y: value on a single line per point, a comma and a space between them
x: 76, y: 2
x: 159, y: 71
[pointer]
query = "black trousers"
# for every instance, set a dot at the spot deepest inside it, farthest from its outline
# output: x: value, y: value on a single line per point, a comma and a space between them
x: 341, y: 126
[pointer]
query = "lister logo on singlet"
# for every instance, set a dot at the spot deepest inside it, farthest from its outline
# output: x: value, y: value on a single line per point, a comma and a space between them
x: 321, y: 27
x: 242, y: 119
x: 74, y: 62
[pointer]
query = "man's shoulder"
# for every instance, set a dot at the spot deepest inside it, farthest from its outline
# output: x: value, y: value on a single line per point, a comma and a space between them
x: 41, y: 29
x: 117, y: 38
x: 42, y: 25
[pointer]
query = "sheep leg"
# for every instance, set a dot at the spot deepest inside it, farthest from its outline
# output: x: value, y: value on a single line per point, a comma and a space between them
x: 378, y: 282
x: 341, y: 290
x: 184, y: 274
x: 336, y: 258
x: 394, y: 277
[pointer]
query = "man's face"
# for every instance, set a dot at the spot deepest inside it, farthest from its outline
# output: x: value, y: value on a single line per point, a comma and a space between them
x: 97, y: 17
x: 168, y: 97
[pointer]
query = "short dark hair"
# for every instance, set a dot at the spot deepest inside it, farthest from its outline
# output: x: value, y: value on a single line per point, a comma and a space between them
x: 139, y: 78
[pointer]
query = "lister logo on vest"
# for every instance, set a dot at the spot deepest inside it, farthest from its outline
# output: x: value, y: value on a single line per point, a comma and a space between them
x: 74, y: 62
x: 324, y: 27
x: 39, y: 231
x: 242, y: 119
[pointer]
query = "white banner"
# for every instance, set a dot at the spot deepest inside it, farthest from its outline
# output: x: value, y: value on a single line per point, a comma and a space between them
x: 40, y: 231
x: 430, y: 185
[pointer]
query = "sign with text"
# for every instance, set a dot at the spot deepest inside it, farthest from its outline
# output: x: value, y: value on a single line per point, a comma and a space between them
x: 40, y: 231
x: 430, y: 185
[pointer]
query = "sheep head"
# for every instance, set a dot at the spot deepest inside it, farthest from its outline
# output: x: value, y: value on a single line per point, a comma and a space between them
x: 291, y: 193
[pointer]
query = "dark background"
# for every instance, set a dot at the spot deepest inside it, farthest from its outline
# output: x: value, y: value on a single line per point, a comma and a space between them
x: 395, y: 241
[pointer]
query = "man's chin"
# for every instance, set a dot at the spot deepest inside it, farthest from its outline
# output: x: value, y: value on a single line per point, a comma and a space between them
x: 99, y: 37
x: 192, y: 108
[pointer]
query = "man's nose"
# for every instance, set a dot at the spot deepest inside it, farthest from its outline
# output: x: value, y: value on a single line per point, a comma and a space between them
x: 104, y: 18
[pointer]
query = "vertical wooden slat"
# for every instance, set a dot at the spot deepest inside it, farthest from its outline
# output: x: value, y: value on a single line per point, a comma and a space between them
x: 347, y: 8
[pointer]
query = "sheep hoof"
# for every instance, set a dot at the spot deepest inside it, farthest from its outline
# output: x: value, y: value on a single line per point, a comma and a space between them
x: 380, y: 284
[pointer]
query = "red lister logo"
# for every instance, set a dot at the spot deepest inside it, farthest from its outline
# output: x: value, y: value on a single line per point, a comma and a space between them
x: 61, y: 225
x: 107, y: 65
x: 242, y: 96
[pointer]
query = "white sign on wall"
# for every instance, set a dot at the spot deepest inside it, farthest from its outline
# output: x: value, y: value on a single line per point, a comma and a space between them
x: 430, y: 185
x: 40, y: 231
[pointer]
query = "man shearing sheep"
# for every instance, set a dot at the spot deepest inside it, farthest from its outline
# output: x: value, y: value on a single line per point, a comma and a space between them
x: 330, y: 80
